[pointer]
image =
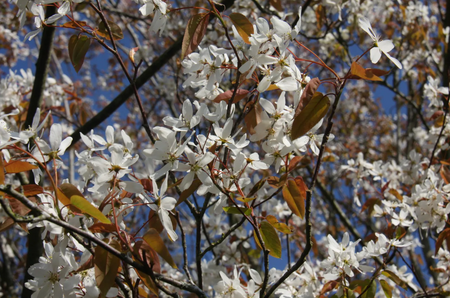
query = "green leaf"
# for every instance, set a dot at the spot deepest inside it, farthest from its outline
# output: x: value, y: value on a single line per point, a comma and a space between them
x: 279, y: 226
x: 310, y: 115
x: 391, y: 275
x: 156, y: 242
x: 293, y: 197
x: 78, y: 47
x: 106, y: 266
x: 236, y: 210
x: 116, y: 31
x: 243, y: 26
x: 386, y: 288
x: 245, y: 200
x: 193, y: 35
x: 271, y: 239
x: 87, y: 208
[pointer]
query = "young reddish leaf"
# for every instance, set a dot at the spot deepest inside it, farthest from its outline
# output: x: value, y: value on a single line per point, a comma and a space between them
x: 106, y: 268
x: 188, y: 192
x: 100, y: 227
x: 276, y: 4
x: 328, y: 287
x: 115, y: 30
x: 235, y: 210
x: 243, y: 26
x: 310, y: 115
x: 379, y: 72
x: 17, y: 166
x: 193, y: 35
x: 369, y: 204
x: 74, y: 25
x: 154, y: 221
x: 445, y: 174
x: 240, y: 94
x: 293, y: 197
x: 396, y: 194
x: 87, y: 208
x: 279, y: 226
x: 391, y: 275
x: 293, y: 163
x: 307, y: 94
x: 78, y: 47
x: 301, y: 186
x: 386, y: 288
x: 253, y: 118
x: 31, y: 190
x: 276, y: 182
x: 145, y: 252
x: 2, y: 170
x: 358, y: 72
x: 445, y: 234
x: 64, y: 199
x: 271, y: 239
x: 157, y: 243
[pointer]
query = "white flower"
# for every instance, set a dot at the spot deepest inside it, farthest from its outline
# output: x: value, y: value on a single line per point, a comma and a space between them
x: 43, y: 152
x: 162, y: 206
x: 384, y: 46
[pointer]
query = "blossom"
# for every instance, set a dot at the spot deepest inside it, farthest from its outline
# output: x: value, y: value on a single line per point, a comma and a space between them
x: 383, y: 46
x: 43, y: 152
x: 162, y: 206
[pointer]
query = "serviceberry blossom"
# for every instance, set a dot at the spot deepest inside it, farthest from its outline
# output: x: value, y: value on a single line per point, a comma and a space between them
x: 380, y: 46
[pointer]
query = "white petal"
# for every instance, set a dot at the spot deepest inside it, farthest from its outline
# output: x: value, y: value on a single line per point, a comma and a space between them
x: 394, y: 60
x: 375, y: 55
x: 288, y: 84
x: 55, y: 136
x: 386, y: 45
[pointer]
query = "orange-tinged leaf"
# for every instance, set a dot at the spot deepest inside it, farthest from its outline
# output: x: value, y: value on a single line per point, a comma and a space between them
x: 310, y: 115
x: 272, y: 87
x: 145, y: 252
x: 115, y: 30
x: 30, y: 190
x: 445, y: 234
x: 100, y: 227
x: 359, y: 72
x: 87, y: 208
x: 396, y: 194
x: 279, y: 226
x: 293, y: 163
x: 154, y: 221
x: 271, y: 239
x: 253, y: 118
x: 243, y: 26
x: 293, y: 197
x: 156, y: 242
x: 2, y: 170
x: 64, y: 199
x: 308, y: 93
x: 240, y: 94
x: 17, y: 166
x: 78, y: 47
x: 106, y: 268
x: 193, y: 35
x: 445, y: 174
x: 276, y: 182
x: 369, y: 204
x: 74, y: 25
x: 276, y: 4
